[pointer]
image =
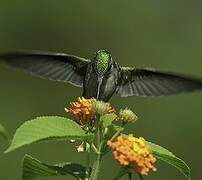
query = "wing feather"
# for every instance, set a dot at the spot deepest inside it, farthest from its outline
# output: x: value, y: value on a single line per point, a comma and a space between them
x: 147, y: 82
x: 52, y: 66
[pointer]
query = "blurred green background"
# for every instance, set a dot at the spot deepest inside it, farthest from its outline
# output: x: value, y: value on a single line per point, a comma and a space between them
x: 162, y: 34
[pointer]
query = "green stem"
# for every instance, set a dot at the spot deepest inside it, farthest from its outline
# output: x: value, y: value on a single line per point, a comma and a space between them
x: 96, y: 167
x: 99, y: 145
x: 95, y: 148
x: 117, y: 133
x: 98, y: 133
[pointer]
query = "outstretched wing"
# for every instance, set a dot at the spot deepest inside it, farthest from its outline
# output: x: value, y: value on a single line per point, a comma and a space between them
x: 145, y: 82
x: 52, y: 66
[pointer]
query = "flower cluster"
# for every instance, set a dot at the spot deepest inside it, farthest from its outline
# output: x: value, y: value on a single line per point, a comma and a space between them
x: 82, y: 111
x: 129, y: 151
x: 134, y: 153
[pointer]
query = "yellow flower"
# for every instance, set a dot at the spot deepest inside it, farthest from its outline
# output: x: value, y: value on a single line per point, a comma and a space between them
x: 102, y: 108
x: 81, y: 110
x: 134, y: 153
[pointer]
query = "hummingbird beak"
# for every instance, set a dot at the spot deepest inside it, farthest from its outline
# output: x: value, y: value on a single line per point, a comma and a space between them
x: 100, y: 78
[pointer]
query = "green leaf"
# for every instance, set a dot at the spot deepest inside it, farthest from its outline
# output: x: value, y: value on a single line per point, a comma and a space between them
x: 159, y: 149
x: 107, y: 119
x: 168, y: 157
x: 33, y: 168
x: 46, y: 128
x: 4, y: 133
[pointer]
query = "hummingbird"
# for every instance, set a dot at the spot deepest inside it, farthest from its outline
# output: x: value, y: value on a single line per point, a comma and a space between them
x: 102, y: 76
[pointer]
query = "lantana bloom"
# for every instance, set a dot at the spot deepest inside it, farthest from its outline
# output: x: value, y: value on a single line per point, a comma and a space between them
x: 134, y: 153
x: 81, y: 110
x: 84, y: 110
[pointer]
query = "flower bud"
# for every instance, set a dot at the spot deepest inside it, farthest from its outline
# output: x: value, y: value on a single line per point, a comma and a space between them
x: 127, y: 115
x: 102, y: 108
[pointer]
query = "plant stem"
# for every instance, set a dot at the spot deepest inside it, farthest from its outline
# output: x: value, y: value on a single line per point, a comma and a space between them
x: 96, y: 167
x: 98, y: 132
x: 99, y: 144
x: 117, y: 133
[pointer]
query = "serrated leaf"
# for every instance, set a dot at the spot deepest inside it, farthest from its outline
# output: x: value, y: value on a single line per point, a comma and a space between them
x: 107, y: 119
x: 33, y: 168
x: 46, y: 128
x: 168, y: 157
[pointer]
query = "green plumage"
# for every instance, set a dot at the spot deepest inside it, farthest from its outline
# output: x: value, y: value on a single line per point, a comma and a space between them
x: 102, y: 61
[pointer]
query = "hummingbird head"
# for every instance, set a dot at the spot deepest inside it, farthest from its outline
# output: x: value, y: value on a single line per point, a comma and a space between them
x: 102, y: 62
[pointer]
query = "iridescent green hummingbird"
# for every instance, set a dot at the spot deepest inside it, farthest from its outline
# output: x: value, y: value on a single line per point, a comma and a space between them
x: 101, y: 77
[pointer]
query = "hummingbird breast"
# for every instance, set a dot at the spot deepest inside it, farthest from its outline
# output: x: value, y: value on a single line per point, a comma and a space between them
x: 101, y: 87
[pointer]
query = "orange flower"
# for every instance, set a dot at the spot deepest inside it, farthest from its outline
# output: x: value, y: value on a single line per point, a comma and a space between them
x: 82, y: 111
x: 134, y: 153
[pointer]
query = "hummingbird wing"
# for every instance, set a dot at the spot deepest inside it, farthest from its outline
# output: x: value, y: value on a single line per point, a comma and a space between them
x: 52, y: 66
x: 148, y: 82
